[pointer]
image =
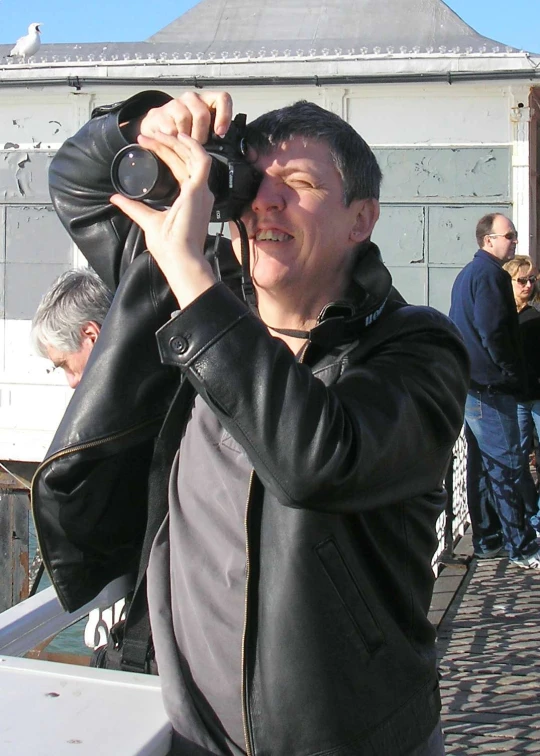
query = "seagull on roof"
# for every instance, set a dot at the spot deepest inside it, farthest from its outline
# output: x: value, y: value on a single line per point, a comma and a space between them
x: 28, y: 45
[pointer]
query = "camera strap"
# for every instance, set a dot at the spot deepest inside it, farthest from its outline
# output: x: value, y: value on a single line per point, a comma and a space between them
x: 248, y: 290
x: 215, y: 254
x: 340, y: 322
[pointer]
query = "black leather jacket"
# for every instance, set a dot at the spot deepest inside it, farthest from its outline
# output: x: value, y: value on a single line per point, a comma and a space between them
x: 349, y: 450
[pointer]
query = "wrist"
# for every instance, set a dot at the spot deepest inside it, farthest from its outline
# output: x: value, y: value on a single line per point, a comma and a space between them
x: 189, y: 280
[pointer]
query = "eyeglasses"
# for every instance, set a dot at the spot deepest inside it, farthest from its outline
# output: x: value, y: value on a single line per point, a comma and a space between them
x: 510, y: 235
x: 526, y: 280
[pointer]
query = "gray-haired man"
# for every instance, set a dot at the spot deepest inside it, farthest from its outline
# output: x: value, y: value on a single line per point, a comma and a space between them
x: 68, y: 321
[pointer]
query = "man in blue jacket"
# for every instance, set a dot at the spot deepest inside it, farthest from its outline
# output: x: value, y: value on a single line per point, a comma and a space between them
x: 483, y: 309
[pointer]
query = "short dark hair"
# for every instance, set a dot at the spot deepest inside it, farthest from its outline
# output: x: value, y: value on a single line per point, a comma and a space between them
x: 484, y: 227
x: 352, y: 156
x: 76, y: 298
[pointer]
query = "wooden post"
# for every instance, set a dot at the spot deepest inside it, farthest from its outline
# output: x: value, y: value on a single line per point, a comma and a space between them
x: 14, y: 547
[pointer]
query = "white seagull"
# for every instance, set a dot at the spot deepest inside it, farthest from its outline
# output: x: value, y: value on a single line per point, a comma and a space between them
x: 28, y: 45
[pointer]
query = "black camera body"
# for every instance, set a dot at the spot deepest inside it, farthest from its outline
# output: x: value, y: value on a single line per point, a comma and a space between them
x: 139, y: 174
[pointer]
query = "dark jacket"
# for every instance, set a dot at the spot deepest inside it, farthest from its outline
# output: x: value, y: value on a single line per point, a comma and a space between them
x: 529, y: 328
x: 349, y: 450
x: 484, y: 310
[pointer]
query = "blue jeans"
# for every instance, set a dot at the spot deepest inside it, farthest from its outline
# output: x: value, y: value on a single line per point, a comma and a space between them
x: 528, y: 419
x: 494, y: 475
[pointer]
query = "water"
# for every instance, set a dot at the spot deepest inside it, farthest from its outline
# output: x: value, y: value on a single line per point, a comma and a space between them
x: 70, y: 640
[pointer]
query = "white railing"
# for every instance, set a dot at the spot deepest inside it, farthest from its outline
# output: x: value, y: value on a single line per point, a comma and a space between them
x: 35, y: 620
x: 48, y: 707
x: 60, y: 709
x: 459, y: 510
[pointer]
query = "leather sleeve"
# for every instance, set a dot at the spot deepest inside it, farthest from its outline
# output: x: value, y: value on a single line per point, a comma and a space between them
x: 361, y: 431
x: 80, y: 187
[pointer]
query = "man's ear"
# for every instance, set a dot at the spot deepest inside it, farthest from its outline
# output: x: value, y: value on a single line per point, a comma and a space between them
x: 90, y: 331
x: 368, y: 211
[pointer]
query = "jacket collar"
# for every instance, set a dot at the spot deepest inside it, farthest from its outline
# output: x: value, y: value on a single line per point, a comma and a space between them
x: 338, y: 322
x: 371, y: 283
x: 483, y: 255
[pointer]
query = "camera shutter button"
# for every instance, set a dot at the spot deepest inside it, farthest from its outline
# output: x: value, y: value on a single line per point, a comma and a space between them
x: 179, y: 344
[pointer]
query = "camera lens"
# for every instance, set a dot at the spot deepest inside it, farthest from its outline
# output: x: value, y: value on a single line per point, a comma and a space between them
x: 139, y: 174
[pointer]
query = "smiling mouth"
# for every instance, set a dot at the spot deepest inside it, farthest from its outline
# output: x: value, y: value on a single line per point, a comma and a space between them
x: 275, y: 236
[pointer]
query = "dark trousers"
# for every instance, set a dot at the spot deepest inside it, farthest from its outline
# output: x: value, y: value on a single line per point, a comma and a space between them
x: 434, y: 745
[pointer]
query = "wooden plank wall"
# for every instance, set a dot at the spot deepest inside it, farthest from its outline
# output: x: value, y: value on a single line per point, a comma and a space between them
x: 14, y: 519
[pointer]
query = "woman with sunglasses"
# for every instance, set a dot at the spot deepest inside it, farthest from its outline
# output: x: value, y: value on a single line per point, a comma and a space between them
x: 524, y: 284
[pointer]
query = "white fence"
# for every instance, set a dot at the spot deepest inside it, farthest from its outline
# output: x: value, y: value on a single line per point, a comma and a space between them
x: 453, y: 522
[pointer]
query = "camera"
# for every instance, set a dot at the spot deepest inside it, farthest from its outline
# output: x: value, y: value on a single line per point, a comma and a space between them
x: 139, y: 174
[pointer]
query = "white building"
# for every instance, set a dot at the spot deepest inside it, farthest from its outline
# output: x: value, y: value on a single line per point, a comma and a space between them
x: 454, y: 118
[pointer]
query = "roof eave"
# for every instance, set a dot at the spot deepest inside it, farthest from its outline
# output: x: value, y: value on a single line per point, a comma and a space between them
x: 328, y: 69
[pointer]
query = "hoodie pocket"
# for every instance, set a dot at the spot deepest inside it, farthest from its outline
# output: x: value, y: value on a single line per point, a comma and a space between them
x: 350, y: 595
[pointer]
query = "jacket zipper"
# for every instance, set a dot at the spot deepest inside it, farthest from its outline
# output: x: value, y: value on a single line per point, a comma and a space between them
x: 65, y: 453
x: 245, y: 723
x: 247, y: 735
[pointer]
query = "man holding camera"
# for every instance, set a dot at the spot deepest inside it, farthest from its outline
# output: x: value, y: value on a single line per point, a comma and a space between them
x: 289, y: 451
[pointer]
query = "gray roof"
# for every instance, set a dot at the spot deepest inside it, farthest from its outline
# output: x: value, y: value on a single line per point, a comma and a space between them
x: 238, y: 25
x: 232, y: 29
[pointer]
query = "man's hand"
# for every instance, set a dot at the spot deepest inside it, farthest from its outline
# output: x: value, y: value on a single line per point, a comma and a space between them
x: 190, y: 114
x: 176, y: 237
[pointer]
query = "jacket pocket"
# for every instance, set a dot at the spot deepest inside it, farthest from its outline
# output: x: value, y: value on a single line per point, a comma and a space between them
x: 350, y: 595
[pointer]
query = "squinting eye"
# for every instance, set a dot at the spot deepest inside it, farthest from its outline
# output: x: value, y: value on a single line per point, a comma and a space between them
x: 299, y: 184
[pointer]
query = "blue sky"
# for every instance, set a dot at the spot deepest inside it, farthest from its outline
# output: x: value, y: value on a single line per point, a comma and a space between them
x: 515, y: 23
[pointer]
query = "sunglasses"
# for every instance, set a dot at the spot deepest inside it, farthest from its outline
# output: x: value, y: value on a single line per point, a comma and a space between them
x: 526, y: 280
x: 510, y: 235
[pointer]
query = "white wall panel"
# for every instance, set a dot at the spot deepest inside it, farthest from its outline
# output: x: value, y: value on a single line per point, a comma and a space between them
x: 32, y: 120
x: 32, y: 398
x: 29, y: 415
x: 19, y: 359
x: 258, y: 100
x: 250, y: 100
x: 438, y: 114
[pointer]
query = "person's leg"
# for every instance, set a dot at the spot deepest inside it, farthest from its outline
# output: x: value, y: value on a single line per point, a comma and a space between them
x: 499, y: 444
x: 535, y: 415
x: 536, y: 447
x: 485, y: 524
x: 525, y: 421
